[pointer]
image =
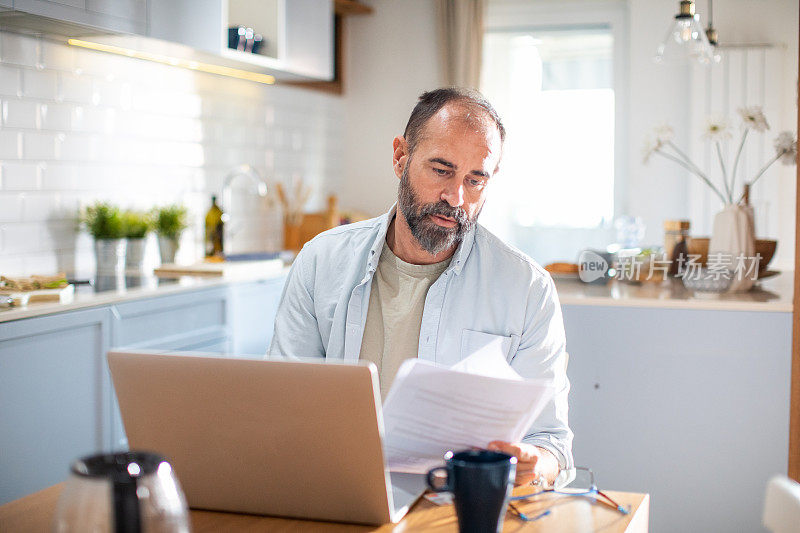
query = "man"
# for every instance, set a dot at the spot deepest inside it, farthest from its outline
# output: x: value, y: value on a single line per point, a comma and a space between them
x: 424, y: 280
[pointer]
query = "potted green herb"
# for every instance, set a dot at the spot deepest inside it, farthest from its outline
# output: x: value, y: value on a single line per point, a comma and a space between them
x: 169, y: 223
x: 136, y: 225
x: 103, y: 221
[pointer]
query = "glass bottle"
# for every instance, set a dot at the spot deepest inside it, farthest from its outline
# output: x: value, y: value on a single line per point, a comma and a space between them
x: 214, y: 230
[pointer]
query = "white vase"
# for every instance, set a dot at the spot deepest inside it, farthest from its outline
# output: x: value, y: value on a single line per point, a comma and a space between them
x: 733, y: 235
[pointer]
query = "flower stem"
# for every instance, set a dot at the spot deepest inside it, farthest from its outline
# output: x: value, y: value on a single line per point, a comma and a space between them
x: 765, y: 167
x: 736, y: 161
x: 684, y: 156
x: 694, y: 171
x: 724, y: 172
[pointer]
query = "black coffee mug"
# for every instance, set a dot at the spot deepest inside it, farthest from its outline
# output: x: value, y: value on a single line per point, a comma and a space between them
x: 481, y: 483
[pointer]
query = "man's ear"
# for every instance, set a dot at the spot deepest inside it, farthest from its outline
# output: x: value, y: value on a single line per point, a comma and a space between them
x: 399, y: 155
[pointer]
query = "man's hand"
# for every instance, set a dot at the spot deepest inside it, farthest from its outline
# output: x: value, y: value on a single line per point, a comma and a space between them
x: 532, y: 461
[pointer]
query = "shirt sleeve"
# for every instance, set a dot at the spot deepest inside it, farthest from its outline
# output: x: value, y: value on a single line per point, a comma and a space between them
x: 296, y: 329
x: 542, y: 355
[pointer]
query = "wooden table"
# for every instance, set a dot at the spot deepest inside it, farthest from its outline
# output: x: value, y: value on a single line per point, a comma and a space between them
x: 34, y: 513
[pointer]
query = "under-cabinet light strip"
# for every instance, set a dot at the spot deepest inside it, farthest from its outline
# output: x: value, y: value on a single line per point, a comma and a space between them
x: 176, y: 61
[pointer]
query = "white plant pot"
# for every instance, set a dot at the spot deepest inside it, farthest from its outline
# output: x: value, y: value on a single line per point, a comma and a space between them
x: 167, y: 248
x: 134, y: 256
x: 733, y: 235
x: 110, y: 256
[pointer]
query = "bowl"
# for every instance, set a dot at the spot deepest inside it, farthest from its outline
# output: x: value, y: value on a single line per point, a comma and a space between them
x: 703, y: 280
x: 764, y: 247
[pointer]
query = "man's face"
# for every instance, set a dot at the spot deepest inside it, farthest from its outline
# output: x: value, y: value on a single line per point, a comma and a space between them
x: 443, y: 184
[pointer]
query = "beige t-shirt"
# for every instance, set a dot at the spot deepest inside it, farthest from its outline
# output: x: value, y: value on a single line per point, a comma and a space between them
x: 396, y: 302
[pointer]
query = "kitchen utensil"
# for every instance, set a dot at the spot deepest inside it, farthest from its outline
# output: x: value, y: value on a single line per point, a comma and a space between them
x: 125, y: 492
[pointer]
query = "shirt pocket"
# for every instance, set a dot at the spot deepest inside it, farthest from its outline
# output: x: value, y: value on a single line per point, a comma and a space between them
x: 472, y: 341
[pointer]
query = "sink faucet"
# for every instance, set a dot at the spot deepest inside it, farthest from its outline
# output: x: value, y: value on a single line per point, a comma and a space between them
x: 260, y: 188
x: 246, y: 171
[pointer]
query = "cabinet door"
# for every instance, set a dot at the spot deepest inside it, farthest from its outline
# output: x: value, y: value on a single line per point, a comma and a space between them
x: 54, y: 397
x: 253, y: 307
x: 309, y: 38
x: 192, y: 321
x: 126, y: 16
x: 690, y: 406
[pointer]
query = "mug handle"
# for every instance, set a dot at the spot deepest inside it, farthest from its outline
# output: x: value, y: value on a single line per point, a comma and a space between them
x: 443, y: 488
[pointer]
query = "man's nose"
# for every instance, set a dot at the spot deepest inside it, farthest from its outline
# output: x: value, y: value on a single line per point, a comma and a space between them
x: 454, y: 194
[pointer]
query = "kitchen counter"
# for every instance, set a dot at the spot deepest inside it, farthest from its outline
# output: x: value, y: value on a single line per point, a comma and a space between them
x: 773, y: 294
x: 135, y: 288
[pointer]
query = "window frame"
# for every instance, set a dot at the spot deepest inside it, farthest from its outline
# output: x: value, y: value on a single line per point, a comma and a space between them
x: 524, y: 15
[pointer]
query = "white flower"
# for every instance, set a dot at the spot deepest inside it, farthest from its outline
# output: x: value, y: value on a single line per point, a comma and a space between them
x: 717, y: 129
x: 651, y: 146
x: 753, y: 117
x: 786, y: 147
x: 664, y: 134
x: 661, y: 135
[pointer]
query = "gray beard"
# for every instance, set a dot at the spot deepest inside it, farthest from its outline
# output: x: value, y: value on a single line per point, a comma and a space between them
x: 433, y: 238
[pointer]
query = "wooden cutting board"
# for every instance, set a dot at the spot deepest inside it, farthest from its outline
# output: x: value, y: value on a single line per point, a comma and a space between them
x: 224, y: 269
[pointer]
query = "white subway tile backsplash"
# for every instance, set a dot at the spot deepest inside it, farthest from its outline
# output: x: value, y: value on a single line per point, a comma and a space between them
x: 79, y: 125
x: 78, y: 147
x: 10, y: 207
x: 75, y: 88
x: 37, y: 145
x: 22, y: 237
x: 19, y: 49
x: 55, y: 116
x: 58, y: 177
x: 56, y: 56
x: 21, y: 176
x: 10, y: 84
x: 10, y: 144
x: 21, y: 114
x: 39, y: 84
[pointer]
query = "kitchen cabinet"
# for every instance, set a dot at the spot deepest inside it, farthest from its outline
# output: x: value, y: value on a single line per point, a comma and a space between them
x: 253, y: 307
x: 124, y: 16
x: 55, y: 397
x: 298, y: 34
x: 195, y: 321
x: 691, y: 406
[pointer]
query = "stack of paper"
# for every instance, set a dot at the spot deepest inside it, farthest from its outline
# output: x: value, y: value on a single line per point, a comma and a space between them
x: 431, y: 409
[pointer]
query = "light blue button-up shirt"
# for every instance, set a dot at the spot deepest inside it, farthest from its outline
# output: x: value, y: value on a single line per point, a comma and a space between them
x: 490, y: 291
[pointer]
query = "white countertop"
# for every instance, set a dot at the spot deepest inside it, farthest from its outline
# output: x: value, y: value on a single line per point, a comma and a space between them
x: 771, y: 295
x: 151, y: 286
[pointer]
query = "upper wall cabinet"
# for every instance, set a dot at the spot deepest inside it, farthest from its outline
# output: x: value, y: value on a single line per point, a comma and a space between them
x: 297, y: 35
x: 126, y: 16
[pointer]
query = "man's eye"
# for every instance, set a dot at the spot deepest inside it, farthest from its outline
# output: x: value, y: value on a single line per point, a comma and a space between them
x: 441, y: 171
x: 475, y: 183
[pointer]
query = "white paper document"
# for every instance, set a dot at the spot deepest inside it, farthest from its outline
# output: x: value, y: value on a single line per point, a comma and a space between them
x: 432, y: 409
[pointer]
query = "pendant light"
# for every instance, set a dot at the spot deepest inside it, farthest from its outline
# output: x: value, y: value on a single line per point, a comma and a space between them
x: 686, y: 42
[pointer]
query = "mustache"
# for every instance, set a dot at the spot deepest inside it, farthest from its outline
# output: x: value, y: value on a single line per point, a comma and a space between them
x: 444, y: 209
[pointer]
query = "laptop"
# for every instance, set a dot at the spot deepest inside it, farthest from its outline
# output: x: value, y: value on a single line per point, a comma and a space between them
x: 274, y: 437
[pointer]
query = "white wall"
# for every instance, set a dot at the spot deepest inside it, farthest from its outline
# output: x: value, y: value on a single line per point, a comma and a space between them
x: 392, y: 58
x: 79, y: 125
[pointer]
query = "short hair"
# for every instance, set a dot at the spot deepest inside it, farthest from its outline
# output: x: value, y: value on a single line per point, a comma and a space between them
x: 430, y: 102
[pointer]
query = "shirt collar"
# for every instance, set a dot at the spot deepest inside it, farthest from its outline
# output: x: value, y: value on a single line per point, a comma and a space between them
x: 459, y: 257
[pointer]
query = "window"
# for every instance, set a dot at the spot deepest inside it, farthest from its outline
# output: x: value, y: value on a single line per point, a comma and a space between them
x: 555, y: 87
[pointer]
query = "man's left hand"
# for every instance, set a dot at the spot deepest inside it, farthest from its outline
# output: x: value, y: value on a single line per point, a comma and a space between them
x: 532, y: 461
